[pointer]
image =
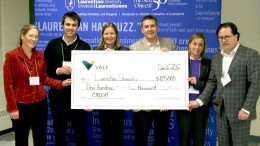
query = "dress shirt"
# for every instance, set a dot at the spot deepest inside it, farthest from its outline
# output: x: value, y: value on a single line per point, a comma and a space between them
x: 154, y: 47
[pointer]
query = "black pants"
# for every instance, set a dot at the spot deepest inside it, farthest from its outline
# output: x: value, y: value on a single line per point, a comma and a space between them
x: 61, y: 113
x: 142, y: 123
x: 60, y: 122
x: 195, y: 122
x: 112, y: 124
x: 32, y: 116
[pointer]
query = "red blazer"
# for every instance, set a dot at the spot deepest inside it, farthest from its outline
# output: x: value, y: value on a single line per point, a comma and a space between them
x: 17, y: 70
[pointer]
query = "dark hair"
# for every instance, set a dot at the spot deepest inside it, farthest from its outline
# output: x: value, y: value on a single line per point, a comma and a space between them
x: 196, y: 36
x: 25, y: 29
x: 72, y: 15
x: 230, y: 25
x: 149, y: 17
x: 102, y: 42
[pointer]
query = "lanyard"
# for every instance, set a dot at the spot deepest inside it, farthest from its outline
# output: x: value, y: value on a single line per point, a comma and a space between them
x: 63, y: 52
x: 28, y: 68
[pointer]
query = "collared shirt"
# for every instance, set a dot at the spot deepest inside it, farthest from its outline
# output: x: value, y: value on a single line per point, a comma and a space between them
x: 70, y: 42
x: 227, y: 59
x: 154, y: 47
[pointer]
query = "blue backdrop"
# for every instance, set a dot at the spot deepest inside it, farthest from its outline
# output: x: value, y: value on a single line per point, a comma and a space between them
x: 178, y: 19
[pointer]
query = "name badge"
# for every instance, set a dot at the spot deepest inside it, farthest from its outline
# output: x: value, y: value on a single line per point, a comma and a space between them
x: 34, y: 80
x: 225, y: 80
x: 193, y: 91
x: 67, y: 63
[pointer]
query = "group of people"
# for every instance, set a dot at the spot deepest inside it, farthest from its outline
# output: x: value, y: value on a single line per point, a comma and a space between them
x: 233, y: 73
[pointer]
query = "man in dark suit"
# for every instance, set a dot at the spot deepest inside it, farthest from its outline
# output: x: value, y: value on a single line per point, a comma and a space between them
x: 58, y: 61
x: 235, y: 76
x: 143, y: 118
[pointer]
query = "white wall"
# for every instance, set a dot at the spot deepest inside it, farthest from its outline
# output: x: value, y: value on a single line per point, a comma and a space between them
x: 245, y: 14
x: 15, y: 13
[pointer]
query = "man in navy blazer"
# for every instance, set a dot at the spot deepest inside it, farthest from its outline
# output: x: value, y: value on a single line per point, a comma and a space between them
x: 143, y: 118
x: 235, y: 76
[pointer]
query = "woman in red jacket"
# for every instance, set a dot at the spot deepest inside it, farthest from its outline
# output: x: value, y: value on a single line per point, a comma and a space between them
x: 24, y: 77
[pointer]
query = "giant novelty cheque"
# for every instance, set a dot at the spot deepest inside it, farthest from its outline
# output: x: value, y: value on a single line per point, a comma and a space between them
x: 129, y: 80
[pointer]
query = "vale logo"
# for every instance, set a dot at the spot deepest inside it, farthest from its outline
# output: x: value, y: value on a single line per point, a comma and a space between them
x: 87, y: 64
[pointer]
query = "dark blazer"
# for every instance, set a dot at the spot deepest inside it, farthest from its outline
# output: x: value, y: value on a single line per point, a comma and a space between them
x: 195, y: 121
x: 244, y: 88
x: 204, y: 74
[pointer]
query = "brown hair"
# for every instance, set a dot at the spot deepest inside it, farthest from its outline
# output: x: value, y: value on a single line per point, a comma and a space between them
x: 149, y: 17
x: 72, y: 15
x: 230, y: 25
x: 197, y: 36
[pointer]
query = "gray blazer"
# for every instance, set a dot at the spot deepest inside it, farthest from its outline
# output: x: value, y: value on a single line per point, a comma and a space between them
x: 141, y: 45
x: 243, y: 90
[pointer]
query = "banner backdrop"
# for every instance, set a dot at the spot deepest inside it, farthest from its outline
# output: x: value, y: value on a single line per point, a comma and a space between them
x: 178, y: 19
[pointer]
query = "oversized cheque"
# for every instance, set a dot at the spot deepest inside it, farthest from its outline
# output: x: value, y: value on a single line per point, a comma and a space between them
x: 129, y: 80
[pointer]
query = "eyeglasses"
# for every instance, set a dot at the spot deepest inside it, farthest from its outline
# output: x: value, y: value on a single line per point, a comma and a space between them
x: 226, y: 38
x: 31, y: 36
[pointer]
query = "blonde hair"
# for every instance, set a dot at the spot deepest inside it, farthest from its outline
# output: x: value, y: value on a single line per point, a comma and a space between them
x: 102, y: 42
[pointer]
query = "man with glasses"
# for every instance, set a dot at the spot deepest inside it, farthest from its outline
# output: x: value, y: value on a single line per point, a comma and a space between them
x: 235, y: 76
